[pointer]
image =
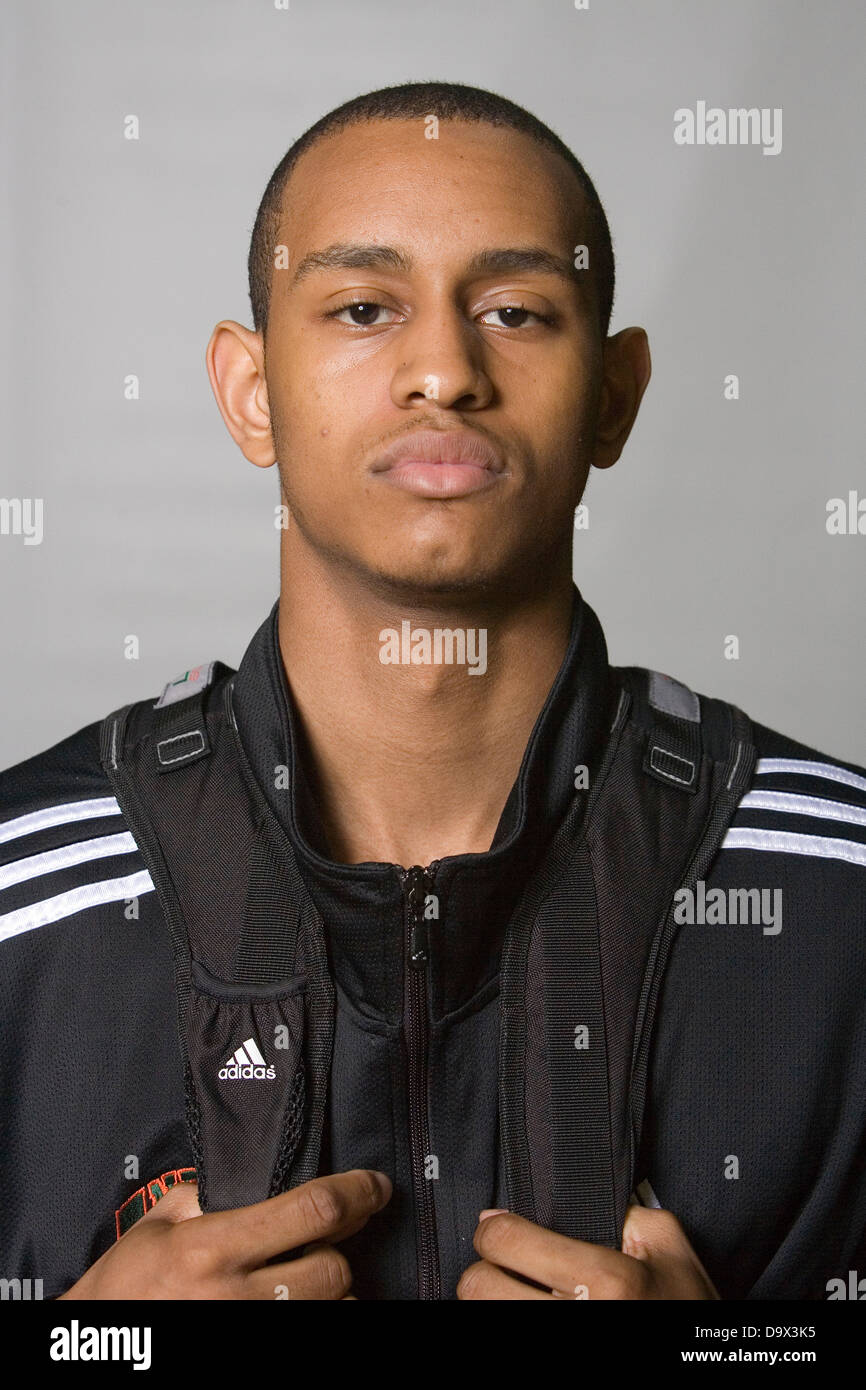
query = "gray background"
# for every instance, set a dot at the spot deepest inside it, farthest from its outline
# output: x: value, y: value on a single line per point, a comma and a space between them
x: 120, y: 256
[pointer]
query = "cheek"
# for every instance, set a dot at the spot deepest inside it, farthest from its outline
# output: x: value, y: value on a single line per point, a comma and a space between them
x: 306, y: 431
x: 559, y: 407
x: 319, y: 410
x: 317, y: 478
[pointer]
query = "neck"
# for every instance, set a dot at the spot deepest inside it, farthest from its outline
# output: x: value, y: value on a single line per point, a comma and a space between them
x: 412, y: 762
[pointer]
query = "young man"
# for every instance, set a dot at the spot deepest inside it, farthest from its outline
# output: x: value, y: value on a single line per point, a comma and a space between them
x: 427, y: 889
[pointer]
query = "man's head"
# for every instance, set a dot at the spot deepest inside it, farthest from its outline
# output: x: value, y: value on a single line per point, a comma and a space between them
x: 416, y: 101
x: 418, y: 279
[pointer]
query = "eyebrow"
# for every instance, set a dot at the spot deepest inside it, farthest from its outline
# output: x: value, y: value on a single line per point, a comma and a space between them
x: 503, y: 260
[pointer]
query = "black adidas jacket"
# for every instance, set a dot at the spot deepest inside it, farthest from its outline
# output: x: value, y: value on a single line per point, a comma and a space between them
x: 755, y: 1133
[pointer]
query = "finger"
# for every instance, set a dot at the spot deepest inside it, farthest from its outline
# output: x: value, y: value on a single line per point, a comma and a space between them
x: 650, y: 1230
x: 558, y: 1262
x: 178, y: 1204
x: 323, y: 1273
x: 486, y: 1281
x: 328, y: 1207
x: 657, y: 1238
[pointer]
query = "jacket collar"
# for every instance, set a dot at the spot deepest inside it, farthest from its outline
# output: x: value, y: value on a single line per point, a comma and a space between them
x: 362, y: 905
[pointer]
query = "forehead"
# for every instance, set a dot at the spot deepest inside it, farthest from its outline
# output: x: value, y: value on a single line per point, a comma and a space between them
x: 476, y: 184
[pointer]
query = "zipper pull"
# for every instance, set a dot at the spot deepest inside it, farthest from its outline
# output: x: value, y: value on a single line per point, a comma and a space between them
x: 419, y: 935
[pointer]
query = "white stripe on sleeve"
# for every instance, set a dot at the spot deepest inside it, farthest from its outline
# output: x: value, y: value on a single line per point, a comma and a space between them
x: 805, y: 806
x: 63, y: 858
x: 783, y: 842
x: 76, y: 900
x: 58, y: 815
x: 811, y: 769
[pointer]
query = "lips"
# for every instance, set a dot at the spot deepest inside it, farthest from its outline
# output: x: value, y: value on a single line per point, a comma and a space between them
x: 440, y: 463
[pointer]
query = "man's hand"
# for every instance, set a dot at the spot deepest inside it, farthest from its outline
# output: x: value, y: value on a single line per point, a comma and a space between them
x: 656, y: 1261
x: 170, y: 1255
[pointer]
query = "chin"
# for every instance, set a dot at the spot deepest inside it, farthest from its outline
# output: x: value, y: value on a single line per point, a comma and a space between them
x: 440, y: 586
x: 433, y: 574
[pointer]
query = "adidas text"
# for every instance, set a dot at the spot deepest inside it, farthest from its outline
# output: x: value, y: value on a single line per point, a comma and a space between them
x: 247, y: 1064
x: 235, y: 1072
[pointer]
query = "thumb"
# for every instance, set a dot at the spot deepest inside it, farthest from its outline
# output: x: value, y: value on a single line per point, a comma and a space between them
x: 178, y: 1204
x: 656, y: 1237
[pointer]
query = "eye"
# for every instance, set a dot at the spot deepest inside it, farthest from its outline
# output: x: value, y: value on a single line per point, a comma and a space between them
x: 514, y: 316
x: 364, y: 313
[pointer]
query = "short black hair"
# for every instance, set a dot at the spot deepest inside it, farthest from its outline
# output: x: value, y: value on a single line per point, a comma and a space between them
x: 415, y: 100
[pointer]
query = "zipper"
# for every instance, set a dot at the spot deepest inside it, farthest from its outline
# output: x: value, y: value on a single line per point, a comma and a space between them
x: 417, y: 883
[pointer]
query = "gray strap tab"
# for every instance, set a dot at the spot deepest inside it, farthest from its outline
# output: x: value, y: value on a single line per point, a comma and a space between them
x: 672, y: 697
x: 190, y: 683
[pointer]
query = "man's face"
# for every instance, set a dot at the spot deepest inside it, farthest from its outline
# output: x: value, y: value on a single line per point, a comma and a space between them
x: 458, y: 333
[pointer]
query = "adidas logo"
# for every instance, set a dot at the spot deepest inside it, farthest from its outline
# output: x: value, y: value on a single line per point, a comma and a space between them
x: 247, y: 1063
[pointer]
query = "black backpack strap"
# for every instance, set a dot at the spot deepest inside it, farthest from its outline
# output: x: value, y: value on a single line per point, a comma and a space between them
x: 729, y: 739
x: 281, y: 921
x: 554, y: 1074
x: 255, y: 1000
x: 586, y: 950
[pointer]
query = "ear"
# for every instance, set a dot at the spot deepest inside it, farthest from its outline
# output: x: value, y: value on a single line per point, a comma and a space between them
x: 626, y: 373
x: 236, y: 367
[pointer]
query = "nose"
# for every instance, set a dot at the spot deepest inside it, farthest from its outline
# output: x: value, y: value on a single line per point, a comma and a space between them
x: 441, y: 359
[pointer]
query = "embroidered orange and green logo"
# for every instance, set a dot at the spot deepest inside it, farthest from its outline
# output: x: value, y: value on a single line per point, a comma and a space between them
x: 134, y: 1208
